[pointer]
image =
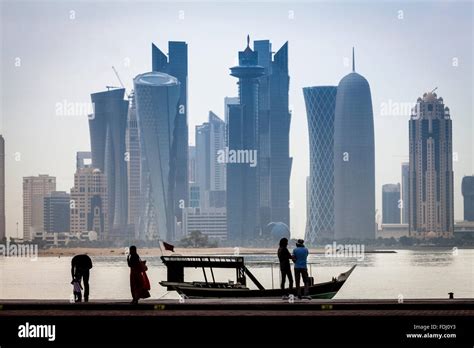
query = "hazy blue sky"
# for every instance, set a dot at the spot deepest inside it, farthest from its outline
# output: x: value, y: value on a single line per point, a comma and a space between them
x: 403, y: 49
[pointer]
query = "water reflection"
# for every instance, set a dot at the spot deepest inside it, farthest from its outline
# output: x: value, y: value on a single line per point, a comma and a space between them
x: 433, y: 258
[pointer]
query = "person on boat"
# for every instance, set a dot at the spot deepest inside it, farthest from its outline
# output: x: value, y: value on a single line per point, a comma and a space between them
x: 139, y: 283
x: 300, y: 258
x: 80, y: 270
x: 284, y: 257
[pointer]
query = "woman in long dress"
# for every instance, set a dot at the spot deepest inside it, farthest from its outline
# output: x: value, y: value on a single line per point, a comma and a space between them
x: 139, y: 283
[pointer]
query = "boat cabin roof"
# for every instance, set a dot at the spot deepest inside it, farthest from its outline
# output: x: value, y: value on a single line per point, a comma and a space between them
x: 204, y: 261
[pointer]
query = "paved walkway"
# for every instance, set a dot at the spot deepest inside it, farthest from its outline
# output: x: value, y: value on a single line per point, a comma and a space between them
x: 239, y: 307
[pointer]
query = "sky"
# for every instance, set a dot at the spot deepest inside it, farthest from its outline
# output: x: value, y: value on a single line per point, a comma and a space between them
x: 54, y: 54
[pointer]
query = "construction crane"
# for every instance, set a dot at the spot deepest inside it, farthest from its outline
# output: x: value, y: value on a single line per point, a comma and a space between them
x: 120, y: 80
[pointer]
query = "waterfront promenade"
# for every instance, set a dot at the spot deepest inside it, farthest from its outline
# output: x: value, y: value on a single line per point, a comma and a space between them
x: 241, y: 307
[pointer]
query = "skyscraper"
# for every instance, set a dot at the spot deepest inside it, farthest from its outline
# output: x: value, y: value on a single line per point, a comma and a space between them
x: 217, y: 182
x: 203, y: 159
x: 210, y: 172
x: 83, y: 159
x: 133, y: 166
x: 35, y: 189
x: 157, y: 99
x: 431, y: 169
x: 242, y: 180
x: 176, y: 64
x: 192, y: 164
x: 390, y: 204
x: 2, y: 189
x: 468, y: 194
x: 274, y: 121
x: 57, y: 212
x: 107, y: 130
x: 320, y: 107
x: 228, y: 101
x: 405, y: 194
x: 89, y: 202
x: 354, y: 163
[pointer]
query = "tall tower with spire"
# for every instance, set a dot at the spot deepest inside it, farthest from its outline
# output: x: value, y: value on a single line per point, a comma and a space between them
x: 354, y: 161
x: 242, y: 178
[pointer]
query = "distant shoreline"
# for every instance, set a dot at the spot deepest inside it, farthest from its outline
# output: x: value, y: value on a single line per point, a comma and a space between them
x: 178, y: 251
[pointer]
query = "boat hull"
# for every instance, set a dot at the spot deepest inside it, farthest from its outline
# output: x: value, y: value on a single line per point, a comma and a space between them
x: 318, y: 291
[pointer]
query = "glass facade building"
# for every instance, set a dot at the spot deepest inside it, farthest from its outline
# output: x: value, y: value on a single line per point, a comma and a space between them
x: 176, y: 65
x: 390, y: 204
x: 320, y: 107
x: 157, y: 98
x: 467, y: 187
x: 404, y: 195
x: 242, y: 179
x: 107, y: 131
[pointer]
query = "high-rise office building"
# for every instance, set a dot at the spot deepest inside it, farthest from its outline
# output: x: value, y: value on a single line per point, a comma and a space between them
x: 133, y: 166
x: 431, y: 169
x: 217, y: 129
x: 390, y: 204
x: 57, y: 212
x: 242, y: 178
x: 320, y: 107
x: 176, y: 64
x: 228, y: 101
x: 88, y: 202
x: 274, y: 119
x: 2, y: 189
x: 192, y: 164
x: 35, y: 189
x: 107, y: 131
x: 157, y: 98
x: 203, y: 158
x: 405, y: 192
x: 211, y: 222
x: 354, y: 162
x: 210, y: 170
x: 83, y: 159
x: 467, y: 188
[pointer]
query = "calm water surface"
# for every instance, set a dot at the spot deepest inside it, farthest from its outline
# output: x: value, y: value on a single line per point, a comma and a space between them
x: 410, y: 273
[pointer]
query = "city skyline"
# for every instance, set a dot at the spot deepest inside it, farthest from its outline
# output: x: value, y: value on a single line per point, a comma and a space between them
x: 389, y: 128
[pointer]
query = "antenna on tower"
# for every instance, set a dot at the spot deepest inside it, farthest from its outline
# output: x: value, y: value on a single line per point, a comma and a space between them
x: 434, y: 90
x: 353, y: 60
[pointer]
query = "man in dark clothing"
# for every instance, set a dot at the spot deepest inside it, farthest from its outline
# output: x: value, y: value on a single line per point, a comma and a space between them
x: 80, y: 267
x: 284, y: 256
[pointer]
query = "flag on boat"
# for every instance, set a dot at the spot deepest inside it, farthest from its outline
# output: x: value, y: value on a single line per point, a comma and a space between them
x: 168, y: 246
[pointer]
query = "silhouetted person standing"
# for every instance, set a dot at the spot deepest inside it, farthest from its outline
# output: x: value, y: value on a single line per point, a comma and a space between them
x: 80, y: 269
x: 139, y: 283
x: 284, y: 257
x: 300, y: 257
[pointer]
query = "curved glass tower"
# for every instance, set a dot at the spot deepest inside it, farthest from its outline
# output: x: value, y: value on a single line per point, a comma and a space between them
x: 354, y: 163
x: 157, y: 103
x: 107, y: 130
x: 320, y: 104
